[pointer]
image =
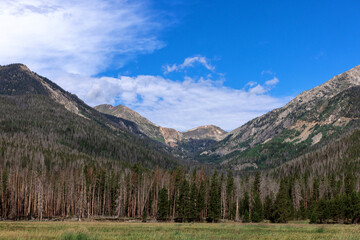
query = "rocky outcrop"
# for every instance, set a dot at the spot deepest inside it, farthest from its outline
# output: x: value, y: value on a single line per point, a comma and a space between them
x: 264, y: 128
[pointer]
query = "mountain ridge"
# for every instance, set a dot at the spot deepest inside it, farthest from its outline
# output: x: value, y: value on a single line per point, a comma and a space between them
x: 62, y: 116
x: 169, y: 136
x: 295, y: 118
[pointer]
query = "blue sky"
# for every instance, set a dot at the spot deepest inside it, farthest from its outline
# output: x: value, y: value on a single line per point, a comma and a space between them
x: 184, y: 63
x: 302, y: 42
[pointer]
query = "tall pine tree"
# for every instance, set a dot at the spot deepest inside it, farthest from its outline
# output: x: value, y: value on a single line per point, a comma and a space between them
x: 257, y: 213
x: 183, y: 202
x: 230, y: 197
x: 214, y: 212
x: 201, y: 201
x: 282, y: 206
x: 163, y: 205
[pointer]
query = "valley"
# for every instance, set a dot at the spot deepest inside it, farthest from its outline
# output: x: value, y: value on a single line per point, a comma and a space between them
x: 61, y: 158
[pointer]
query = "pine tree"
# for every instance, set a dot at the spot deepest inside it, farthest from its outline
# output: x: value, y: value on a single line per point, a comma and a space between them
x: 201, y: 201
x: 163, y: 205
x: 144, y: 216
x: 355, y: 202
x: 246, y: 217
x: 214, y: 199
x: 257, y: 214
x: 322, y: 211
x: 314, y: 216
x: 245, y: 208
x: 282, y: 205
x: 192, y: 214
x: 268, y: 206
x: 349, y: 183
x: 183, y: 202
x: 230, y: 189
x: 256, y: 184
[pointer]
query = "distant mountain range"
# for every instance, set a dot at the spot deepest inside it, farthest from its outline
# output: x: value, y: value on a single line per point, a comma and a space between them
x: 315, y: 118
x: 200, y: 137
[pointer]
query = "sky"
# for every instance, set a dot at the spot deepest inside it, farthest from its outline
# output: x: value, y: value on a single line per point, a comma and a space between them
x: 183, y: 63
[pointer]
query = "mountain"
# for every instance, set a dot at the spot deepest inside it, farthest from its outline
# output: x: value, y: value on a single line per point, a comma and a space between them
x: 200, y: 136
x: 145, y: 126
x: 38, y: 118
x: 308, y: 121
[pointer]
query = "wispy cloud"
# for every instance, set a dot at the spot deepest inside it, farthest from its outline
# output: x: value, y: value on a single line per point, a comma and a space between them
x: 72, y: 40
x: 180, y: 104
x: 189, y: 62
x: 272, y: 82
x: 75, y: 36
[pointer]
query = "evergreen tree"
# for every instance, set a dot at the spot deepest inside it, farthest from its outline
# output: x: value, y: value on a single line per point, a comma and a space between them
x: 349, y: 183
x: 144, y: 216
x: 322, y: 211
x: 257, y: 214
x: 201, y: 201
x: 214, y: 211
x: 246, y: 217
x: 230, y: 189
x: 183, y: 203
x: 163, y: 205
x: 192, y: 214
x: 268, y: 206
x: 315, y: 193
x: 314, y: 216
x: 282, y: 205
x: 256, y: 184
x: 355, y: 202
x: 244, y: 210
x: 257, y: 211
x: 302, y: 214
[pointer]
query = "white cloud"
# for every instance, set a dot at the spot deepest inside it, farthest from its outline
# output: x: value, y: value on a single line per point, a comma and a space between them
x: 258, y: 89
x: 179, y: 104
x: 75, y: 36
x: 71, y: 40
x: 272, y: 82
x: 189, y: 62
x: 267, y: 72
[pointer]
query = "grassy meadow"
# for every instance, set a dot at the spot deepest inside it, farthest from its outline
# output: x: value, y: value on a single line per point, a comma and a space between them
x: 115, y: 230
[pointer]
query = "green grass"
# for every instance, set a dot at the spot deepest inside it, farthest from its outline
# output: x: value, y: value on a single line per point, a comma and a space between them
x: 113, y: 230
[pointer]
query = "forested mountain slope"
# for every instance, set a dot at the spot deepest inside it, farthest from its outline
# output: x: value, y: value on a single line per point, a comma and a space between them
x: 40, y: 115
x: 308, y: 121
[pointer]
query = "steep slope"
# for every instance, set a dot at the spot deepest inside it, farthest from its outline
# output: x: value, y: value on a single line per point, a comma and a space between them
x: 145, y: 126
x: 282, y: 133
x: 199, y: 136
x: 37, y: 114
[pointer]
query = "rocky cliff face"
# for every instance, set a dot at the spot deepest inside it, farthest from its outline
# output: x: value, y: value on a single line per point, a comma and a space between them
x: 297, y: 122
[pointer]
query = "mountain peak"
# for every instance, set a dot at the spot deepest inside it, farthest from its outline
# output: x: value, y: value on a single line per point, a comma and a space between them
x: 206, y: 132
x: 304, y: 115
x: 18, y: 79
x: 19, y: 66
x: 328, y: 89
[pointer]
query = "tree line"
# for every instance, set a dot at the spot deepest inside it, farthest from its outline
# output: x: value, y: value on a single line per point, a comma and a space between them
x: 97, y: 188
